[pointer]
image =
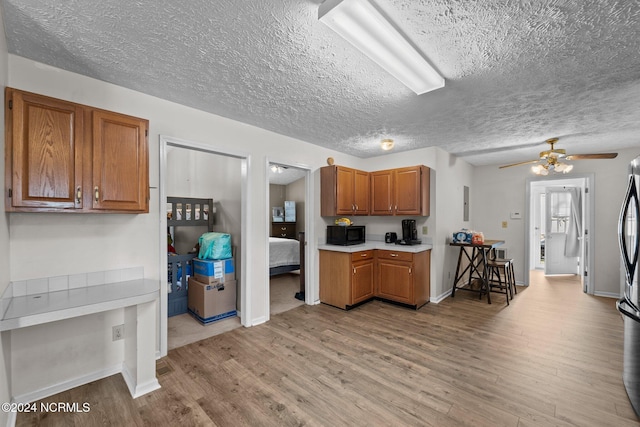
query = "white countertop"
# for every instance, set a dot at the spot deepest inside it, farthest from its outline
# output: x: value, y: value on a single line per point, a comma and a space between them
x: 376, y: 245
x: 29, y: 310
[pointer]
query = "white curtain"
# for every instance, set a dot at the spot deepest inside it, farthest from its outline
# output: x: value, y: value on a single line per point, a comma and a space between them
x: 574, y: 233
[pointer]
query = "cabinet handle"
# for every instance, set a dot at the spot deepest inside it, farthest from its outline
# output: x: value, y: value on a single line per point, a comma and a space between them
x: 394, y: 255
x: 356, y: 207
x: 354, y: 270
x: 396, y: 208
x: 363, y: 255
x: 283, y: 228
x: 79, y: 195
x: 389, y: 208
x: 283, y: 235
x: 409, y: 270
x: 96, y: 193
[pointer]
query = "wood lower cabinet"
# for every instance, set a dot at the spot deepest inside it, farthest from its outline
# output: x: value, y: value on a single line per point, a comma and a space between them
x: 65, y: 157
x: 350, y: 278
x: 403, y: 277
x: 343, y: 191
x: 346, y: 278
x: 286, y: 230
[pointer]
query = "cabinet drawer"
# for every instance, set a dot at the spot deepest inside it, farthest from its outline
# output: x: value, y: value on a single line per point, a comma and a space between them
x: 362, y: 255
x: 395, y: 255
x: 283, y: 229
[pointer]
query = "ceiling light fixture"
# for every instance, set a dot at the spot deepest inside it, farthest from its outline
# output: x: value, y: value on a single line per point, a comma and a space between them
x: 552, y: 165
x: 361, y: 24
x: 277, y: 169
x: 386, y: 144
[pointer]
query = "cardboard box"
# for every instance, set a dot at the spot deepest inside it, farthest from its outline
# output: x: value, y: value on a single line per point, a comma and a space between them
x: 214, y: 271
x: 210, y: 302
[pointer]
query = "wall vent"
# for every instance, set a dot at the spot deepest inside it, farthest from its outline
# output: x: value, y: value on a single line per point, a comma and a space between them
x: 501, y: 253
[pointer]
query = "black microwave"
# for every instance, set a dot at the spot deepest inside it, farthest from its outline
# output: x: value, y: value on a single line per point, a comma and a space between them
x: 345, y: 234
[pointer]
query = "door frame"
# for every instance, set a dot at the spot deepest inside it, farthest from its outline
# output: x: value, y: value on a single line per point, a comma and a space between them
x: 310, y: 286
x: 245, y: 239
x: 588, y: 216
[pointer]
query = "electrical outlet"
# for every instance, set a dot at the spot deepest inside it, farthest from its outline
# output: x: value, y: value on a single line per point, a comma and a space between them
x: 425, y: 230
x: 117, y: 332
x: 504, y: 224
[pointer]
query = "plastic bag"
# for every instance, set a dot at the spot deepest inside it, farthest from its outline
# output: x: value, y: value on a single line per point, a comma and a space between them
x: 215, y: 246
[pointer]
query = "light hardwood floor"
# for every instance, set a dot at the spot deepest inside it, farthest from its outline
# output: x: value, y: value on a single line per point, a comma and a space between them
x: 183, y: 329
x: 551, y: 358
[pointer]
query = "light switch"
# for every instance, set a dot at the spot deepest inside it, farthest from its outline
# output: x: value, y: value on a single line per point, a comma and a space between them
x: 425, y: 229
x: 504, y: 224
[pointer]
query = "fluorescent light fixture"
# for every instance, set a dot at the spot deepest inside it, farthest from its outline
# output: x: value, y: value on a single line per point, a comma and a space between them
x: 362, y: 25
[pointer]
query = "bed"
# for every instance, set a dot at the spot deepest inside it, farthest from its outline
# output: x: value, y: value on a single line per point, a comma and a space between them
x: 181, y: 212
x: 287, y: 255
x: 284, y: 255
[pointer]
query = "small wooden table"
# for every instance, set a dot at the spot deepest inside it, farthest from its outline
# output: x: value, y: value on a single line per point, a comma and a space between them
x: 475, y: 269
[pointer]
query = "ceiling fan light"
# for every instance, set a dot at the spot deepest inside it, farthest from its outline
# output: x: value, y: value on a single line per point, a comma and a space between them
x: 567, y: 168
x: 539, y: 170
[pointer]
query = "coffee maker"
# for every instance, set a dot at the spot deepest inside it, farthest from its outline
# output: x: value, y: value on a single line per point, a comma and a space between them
x: 409, y: 233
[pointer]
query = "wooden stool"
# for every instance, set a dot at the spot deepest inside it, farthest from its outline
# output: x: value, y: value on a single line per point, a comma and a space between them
x: 511, y: 272
x: 499, y: 269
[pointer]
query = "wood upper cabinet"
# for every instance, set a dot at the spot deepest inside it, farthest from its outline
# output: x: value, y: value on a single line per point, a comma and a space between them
x: 344, y: 191
x: 66, y: 157
x: 346, y: 278
x: 120, y: 163
x: 43, y: 152
x: 402, y: 191
x: 403, y: 277
x: 382, y: 196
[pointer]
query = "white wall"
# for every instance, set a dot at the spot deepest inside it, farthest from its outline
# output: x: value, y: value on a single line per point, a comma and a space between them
x: 501, y: 191
x: 296, y: 192
x: 5, y: 253
x: 44, y: 245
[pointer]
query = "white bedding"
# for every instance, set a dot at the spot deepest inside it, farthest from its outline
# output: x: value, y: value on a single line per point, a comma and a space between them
x: 283, y: 252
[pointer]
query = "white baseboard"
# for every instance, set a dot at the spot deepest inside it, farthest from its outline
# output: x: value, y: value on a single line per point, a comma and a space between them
x: 441, y: 297
x: 606, y: 294
x: 259, y: 321
x: 138, y: 390
x: 67, y: 385
x: 11, y: 419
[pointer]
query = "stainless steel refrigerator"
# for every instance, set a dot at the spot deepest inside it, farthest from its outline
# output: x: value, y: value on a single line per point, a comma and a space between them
x: 629, y: 304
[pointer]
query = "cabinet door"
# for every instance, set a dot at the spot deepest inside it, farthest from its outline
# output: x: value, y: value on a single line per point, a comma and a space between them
x: 344, y: 191
x: 362, y: 281
x: 44, y: 152
x: 382, y: 193
x: 120, y: 178
x: 407, y: 191
x: 361, y: 192
x: 395, y: 281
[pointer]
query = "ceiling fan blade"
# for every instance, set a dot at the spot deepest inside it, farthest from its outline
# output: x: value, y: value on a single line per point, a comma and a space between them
x: 521, y: 163
x: 592, y: 156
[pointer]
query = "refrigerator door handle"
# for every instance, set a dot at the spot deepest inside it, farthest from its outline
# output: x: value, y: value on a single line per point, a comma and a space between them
x: 631, y: 314
x: 630, y: 260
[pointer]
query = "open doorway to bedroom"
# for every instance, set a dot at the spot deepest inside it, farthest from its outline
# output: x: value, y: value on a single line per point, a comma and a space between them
x: 287, y: 224
x: 202, y: 190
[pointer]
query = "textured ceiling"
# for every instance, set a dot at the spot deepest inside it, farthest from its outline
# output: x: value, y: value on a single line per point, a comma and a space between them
x: 517, y: 72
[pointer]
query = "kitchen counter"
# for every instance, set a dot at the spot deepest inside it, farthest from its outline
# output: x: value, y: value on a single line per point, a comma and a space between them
x: 376, y: 245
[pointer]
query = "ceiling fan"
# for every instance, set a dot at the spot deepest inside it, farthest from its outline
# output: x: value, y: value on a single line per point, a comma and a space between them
x: 552, y: 160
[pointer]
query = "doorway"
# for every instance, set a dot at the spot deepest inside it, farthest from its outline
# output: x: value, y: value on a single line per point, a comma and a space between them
x: 288, y: 216
x: 237, y: 219
x: 560, y: 218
